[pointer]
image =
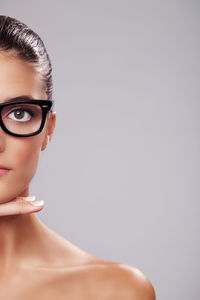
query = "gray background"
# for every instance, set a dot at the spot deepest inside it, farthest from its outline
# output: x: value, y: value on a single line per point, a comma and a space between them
x: 121, y: 176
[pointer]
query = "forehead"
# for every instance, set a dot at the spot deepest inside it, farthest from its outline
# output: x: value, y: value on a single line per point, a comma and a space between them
x: 18, y: 77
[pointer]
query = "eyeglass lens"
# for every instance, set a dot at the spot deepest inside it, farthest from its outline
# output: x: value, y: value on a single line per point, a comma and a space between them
x: 23, y: 118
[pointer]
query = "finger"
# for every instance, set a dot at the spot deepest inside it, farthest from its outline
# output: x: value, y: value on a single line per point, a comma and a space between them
x: 21, y: 205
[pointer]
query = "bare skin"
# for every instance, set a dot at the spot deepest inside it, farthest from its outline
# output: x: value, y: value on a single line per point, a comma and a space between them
x: 35, y: 262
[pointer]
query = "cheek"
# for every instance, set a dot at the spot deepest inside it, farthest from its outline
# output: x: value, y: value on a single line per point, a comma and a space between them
x: 22, y: 155
x: 26, y: 156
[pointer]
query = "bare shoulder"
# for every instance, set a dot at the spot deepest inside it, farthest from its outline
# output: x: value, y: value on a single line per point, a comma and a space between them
x: 122, y: 281
x: 81, y: 275
x: 117, y: 281
x: 132, y: 283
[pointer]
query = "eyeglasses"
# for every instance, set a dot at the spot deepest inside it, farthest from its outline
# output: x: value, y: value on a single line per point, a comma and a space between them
x: 24, y: 118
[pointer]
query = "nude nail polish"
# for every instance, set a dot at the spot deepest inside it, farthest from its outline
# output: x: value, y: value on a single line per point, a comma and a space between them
x: 30, y: 198
x: 38, y: 203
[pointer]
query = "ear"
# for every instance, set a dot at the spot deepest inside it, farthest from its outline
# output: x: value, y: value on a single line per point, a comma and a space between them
x: 50, y: 130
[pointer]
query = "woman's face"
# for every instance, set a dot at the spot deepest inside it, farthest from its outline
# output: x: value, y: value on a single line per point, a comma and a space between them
x: 20, y: 154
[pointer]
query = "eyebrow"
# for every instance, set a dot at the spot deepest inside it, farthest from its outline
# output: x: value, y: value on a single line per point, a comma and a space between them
x: 15, y: 99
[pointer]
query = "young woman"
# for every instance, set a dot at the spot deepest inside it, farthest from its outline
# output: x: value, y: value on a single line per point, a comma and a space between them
x: 35, y: 262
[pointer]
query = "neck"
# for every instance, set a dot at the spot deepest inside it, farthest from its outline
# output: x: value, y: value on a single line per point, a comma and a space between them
x: 26, y: 242
x: 15, y: 238
x: 19, y: 237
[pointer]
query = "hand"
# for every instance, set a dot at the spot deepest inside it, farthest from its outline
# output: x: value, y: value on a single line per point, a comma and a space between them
x: 21, y: 205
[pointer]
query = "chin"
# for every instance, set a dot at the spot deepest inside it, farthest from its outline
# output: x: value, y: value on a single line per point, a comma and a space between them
x: 10, y: 194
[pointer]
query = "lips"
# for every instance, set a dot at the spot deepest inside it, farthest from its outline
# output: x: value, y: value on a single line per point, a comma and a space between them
x: 4, y: 168
x: 4, y: 172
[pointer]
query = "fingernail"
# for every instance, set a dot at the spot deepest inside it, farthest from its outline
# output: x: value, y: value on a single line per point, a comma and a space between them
x: 38, y: 203
x: 30, y: 198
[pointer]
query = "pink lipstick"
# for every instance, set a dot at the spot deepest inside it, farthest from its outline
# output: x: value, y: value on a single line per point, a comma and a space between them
x: 3, y: 170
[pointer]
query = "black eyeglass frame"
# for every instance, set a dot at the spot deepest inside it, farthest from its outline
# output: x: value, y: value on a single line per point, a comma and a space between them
x: 45, y: 105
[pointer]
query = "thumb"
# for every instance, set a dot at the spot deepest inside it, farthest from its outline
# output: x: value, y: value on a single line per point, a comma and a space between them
x: 21, y: 205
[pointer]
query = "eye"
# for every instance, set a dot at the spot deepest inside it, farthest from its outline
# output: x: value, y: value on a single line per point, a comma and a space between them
x: 20, y: 115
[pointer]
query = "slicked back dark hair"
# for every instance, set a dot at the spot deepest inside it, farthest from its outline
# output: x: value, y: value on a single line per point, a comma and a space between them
x: 18, y: 37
